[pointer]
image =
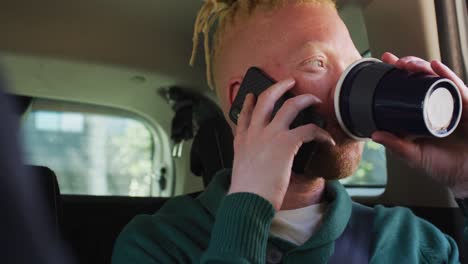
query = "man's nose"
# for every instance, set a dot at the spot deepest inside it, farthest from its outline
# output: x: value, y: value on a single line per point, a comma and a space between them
x: 328, y: 107
x: 341, y: 67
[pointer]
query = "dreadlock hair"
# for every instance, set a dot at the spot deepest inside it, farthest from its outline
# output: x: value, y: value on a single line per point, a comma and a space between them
x: 216, y: 15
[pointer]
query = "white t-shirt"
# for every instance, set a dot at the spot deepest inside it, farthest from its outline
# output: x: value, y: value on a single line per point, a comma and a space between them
x: 298, y: 225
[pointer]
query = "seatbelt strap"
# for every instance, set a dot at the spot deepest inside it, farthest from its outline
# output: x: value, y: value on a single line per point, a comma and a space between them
x: 354, y: 245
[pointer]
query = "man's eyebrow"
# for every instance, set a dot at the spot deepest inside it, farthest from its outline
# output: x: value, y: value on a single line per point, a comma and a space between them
x: 309, y: 48
x: 318, y: 45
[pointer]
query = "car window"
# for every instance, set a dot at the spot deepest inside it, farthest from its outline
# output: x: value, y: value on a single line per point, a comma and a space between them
x: 95, y: 152
x: 372, y: 171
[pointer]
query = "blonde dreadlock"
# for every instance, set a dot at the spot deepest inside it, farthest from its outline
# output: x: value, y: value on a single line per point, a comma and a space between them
x: 221, y: 12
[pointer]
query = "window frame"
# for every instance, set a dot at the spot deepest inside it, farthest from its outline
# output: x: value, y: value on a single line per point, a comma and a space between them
x: 161, y: 155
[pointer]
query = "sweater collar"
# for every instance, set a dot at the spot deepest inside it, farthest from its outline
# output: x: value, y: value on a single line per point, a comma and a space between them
x: 336, y: 217
x: 334, y: 221
x: 216, y: 190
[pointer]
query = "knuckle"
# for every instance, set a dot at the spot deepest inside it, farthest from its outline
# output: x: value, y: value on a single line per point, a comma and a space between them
x: 265, y: 95
x: 245, y: 111
x: 239, y: 140
x: 313, y: 128
x: 298, y: 101
x: 284, y: 137
x: 421, y: 63
x: 244, y: 107
x: 418, y: 61
x: 291, y: 103
x: 241, y: 114
x: 408, y: 58
x: 248, y: 104
x: 236, y: 145
x: 415, y: 62
x: 416, y: 58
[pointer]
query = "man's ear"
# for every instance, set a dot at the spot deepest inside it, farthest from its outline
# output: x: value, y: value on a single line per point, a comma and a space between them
x: 234, y: 85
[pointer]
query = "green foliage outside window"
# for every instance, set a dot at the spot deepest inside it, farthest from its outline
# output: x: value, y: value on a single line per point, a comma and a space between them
x: 372, y: 170
x: 93, y: 154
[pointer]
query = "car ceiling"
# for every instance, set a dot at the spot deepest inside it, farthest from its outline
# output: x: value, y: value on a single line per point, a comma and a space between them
x: 153, y: 37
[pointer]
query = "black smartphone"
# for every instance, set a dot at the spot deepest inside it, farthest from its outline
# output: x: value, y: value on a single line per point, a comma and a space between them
x: 256, y: 81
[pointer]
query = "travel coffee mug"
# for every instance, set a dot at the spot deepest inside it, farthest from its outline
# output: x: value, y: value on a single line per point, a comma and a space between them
x: 371, y: 95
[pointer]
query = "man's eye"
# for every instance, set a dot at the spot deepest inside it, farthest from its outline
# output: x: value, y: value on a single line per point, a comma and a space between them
x: 313, y: 65
x: 317, y: 63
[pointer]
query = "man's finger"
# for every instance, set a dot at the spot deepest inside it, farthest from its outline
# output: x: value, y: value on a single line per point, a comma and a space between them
x: 407, y: 150
x: 389, y: 58
x: 415, y: 64
x: 291, y: 108
x: 245, y: 115
x: 266, y: 101
x: 420, y: 67
x: 311, y: 132
x: 446, y: 72
x: 407, y: 59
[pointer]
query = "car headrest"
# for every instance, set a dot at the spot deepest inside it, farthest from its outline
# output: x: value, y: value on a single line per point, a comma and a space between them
x: 21, y: 103
x: 212, y: 148
x: 48, y: 184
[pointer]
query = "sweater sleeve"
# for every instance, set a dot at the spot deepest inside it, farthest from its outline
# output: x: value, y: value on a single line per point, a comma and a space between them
x: 240, y: 232
x: 182, y: 233
x: 404, y: 238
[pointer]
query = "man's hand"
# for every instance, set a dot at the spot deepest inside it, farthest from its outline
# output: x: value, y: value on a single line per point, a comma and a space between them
x: 446, y: 160
x: 264, y: 149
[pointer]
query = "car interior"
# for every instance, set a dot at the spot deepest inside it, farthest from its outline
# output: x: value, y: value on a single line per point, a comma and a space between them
x: 114, y: 121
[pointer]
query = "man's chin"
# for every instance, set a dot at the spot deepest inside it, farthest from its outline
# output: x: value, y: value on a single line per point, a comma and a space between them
x: 335, y: 163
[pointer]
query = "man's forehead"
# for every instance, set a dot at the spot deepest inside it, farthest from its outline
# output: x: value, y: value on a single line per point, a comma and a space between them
x: 290, y: 23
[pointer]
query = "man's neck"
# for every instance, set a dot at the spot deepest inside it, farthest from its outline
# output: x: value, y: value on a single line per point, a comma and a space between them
x: 303, y: 192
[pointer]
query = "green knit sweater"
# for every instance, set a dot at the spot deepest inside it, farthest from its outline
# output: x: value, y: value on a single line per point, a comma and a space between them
x: 215, y: 228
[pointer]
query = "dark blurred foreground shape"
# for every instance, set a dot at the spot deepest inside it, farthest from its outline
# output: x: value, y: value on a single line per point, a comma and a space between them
x: 27, y: 229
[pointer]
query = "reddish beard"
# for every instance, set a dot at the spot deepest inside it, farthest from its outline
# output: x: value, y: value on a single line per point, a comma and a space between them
x: 335, y: 162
